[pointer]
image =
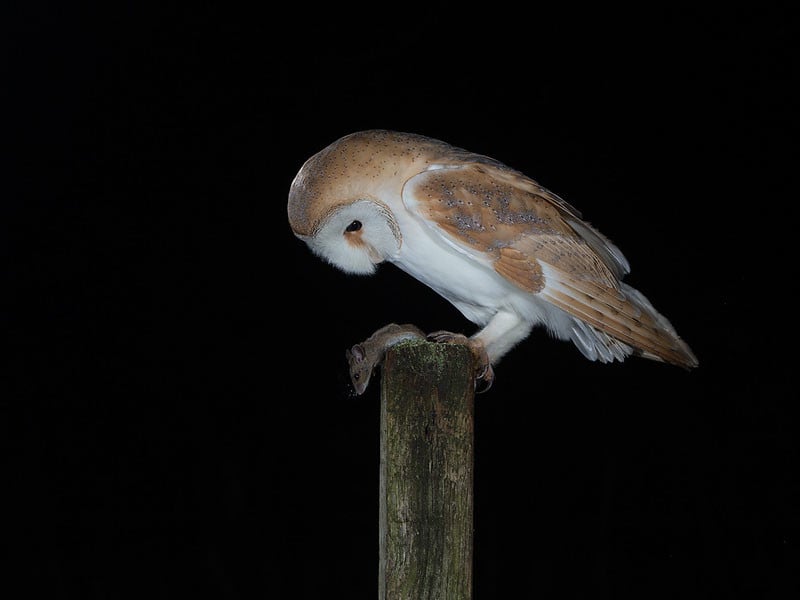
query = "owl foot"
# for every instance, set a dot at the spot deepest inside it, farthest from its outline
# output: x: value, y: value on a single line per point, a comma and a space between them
x: 484, y: 374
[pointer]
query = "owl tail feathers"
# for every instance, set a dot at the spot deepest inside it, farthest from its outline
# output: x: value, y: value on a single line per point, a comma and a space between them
x: 675, y: 350
x: 612, y: 324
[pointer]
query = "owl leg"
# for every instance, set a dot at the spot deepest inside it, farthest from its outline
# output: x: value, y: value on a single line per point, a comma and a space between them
x: 483, y: 367
x: 503, y: 331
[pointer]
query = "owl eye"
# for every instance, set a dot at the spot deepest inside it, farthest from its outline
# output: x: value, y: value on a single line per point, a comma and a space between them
x: 354, y: 226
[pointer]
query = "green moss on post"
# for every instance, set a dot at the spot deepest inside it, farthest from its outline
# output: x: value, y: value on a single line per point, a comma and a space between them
x: 426, y: 472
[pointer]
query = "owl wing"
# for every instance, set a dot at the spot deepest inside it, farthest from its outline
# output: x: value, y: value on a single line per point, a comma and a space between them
x: 538, y: 242
x: 500, y: 214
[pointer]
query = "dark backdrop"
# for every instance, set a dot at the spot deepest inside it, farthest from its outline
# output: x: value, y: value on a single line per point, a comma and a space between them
x: 177, y: 416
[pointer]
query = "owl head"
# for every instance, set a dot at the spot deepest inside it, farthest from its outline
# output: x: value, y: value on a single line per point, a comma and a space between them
x: 339, y: 202
x: 355, y: 235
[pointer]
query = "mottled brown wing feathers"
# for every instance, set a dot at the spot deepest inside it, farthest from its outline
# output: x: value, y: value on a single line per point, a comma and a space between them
x: 511, y: 220
x: 520, y: 269
x: 483, y: 207
x: 622, y: 313
x: 488, y: 207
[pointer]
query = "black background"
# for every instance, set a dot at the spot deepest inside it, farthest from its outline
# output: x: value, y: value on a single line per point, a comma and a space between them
x: 178, y: 421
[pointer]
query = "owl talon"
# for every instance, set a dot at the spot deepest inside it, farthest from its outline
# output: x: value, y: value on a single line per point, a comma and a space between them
x: 484, y: 372
x: 448, y: 337
x: 486, y: 378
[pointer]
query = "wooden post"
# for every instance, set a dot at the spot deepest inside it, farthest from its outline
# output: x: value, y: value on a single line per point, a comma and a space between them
x: 426, y: 473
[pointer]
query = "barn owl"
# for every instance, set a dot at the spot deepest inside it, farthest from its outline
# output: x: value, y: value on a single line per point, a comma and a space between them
x: 506, y: 252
